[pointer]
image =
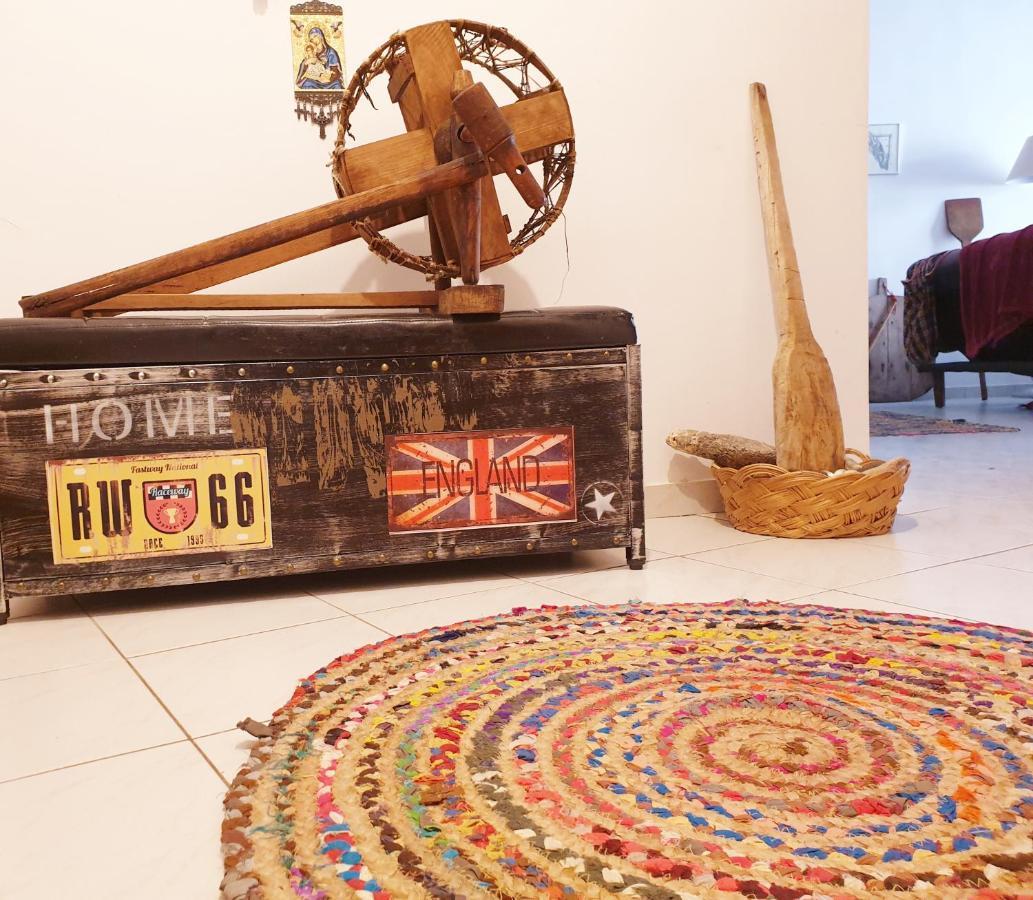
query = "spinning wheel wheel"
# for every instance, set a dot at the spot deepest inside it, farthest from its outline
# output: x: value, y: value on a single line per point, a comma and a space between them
x: 420, y: 65
x: 456, y: 140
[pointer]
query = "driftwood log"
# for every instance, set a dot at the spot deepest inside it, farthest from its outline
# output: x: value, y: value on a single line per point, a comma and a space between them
x: 727, y: 450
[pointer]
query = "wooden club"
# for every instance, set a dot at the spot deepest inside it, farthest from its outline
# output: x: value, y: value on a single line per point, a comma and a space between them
x: 808, y: 427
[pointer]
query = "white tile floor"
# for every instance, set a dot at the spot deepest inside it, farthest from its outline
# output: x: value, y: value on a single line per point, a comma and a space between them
x: 119, y: 711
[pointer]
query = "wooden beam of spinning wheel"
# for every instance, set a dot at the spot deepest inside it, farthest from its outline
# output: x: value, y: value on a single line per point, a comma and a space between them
x: 152, y: 302
x: 480, y: 298
x: 220, y: 273
x: 65, y: 300
x: 435, y: 60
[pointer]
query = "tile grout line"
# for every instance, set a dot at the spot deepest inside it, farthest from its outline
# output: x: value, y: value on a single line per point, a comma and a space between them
x: 940, y: 565
x: 325, y: 601
x: 341, y: 614
x: 544, y: 583
x: 936, y: 565
x: 878, y: 547
x: 158, y: 699
x: 505, y: 573
x: 727, y: 568
x: 759, y: 539
x: 518, y: 580
x: 377, y: 627
x: 936, y: 612
x: 818, y: 586
x: 428, y: 600
x: 583, y: 601
x: 997, y: 553
x: 244, y: 734
x: 540, y: 585
x: 96, y: 759
x: 93, y: 662
x: 610, y: 568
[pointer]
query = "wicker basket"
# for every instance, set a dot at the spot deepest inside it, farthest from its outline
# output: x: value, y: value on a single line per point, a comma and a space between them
x: 763, y: 499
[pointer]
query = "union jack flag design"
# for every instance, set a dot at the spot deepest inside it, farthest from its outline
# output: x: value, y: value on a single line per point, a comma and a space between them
x: 480, y: 479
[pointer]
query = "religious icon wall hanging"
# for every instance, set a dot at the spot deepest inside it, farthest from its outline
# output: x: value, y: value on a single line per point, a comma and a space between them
x: 317, y: 42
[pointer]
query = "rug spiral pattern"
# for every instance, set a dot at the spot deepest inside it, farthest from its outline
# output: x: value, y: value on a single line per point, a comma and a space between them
x: 670, y: 751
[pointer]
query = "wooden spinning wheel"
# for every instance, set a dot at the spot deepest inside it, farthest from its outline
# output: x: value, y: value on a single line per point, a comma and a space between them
x: 420, y: 65
x: 443, y: 166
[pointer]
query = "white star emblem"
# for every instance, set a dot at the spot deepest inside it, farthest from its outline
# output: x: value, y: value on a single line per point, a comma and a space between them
x: 601, y: 505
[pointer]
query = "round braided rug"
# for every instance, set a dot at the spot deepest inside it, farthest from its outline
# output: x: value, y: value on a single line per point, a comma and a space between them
x: 672, y: 751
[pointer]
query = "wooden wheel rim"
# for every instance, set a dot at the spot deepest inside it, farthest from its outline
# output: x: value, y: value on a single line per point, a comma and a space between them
x: 496, y: 50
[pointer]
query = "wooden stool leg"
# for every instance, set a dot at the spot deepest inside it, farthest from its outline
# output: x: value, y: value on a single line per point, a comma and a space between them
x: 983, y: 393
x: 939, y: 389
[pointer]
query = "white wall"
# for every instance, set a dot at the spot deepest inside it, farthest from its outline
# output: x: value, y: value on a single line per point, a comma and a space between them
x: 143, y: 127
x: 955, y: 74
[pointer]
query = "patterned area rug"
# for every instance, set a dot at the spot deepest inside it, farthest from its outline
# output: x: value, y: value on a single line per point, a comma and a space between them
x: 675, y: 751
x: 890, y: 424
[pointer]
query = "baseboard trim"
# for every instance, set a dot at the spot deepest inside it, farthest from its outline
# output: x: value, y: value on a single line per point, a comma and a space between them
x: 682, y: 498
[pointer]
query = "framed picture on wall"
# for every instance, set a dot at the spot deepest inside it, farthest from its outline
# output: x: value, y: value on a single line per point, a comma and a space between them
x: 884, y: 149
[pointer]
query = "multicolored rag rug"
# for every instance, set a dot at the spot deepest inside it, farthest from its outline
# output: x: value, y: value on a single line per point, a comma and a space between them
x: 663, y: 752
x: 891, y: 424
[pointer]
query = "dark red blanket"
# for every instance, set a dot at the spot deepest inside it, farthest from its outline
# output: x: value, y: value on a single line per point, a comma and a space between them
x: 996, y: 288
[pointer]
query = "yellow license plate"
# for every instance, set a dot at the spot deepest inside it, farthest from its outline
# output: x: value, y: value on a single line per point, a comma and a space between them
x: 121, y: 507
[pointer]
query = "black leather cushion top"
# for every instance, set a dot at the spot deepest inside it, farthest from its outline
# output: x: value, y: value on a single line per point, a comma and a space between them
x: 75, y: 343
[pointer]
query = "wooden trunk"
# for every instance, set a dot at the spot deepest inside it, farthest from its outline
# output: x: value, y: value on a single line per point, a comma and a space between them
x: 142, y: 452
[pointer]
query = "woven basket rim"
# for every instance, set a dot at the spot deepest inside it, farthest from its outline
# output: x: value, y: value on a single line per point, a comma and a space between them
x: 761, y: 470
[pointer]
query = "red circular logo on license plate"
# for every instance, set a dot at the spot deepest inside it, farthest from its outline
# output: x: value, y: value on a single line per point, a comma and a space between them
x: 170, y: 506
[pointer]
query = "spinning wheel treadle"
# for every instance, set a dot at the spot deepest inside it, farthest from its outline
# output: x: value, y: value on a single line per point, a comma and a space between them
x: 443, y: 166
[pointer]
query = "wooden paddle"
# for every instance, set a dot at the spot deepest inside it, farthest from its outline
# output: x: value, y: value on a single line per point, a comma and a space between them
x: 808, y: 427
x: 964, y: 218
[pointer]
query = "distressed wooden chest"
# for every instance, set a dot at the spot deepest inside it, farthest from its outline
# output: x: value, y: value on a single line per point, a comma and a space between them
x: 147, y: 452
